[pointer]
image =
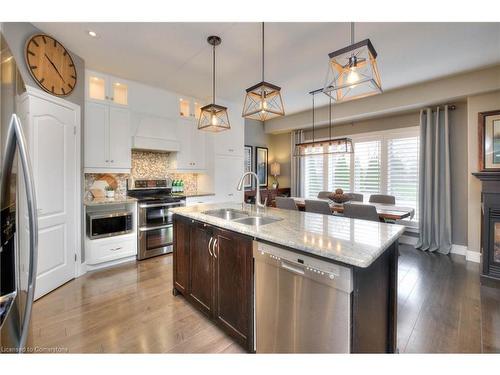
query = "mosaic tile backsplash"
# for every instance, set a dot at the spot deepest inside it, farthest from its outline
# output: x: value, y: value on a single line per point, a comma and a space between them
x: 147, y: 165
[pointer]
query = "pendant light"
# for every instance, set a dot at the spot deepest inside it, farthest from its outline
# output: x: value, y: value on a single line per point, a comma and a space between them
x: 334, y: 145
x: 213, y: 117
x: 353, y: 72
x: 263, y: 101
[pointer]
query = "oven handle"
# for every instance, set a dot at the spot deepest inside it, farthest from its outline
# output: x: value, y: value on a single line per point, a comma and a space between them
x: 146, y: 229
x: 180, y: 204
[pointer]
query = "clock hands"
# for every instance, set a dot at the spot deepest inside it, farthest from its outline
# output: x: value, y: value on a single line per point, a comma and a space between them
x: 54, y: 67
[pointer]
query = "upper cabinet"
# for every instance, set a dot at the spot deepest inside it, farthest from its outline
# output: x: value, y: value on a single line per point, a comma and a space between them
x: 191, y: 156
x: 190, y: 108
x: 104, y: 88
x: 107, y: 138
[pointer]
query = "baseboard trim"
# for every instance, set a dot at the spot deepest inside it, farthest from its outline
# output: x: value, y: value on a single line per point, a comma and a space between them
x: 471, y: 256
x: 111, y: 263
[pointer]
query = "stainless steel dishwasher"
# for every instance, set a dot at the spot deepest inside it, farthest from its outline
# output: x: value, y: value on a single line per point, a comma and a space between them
x: 302, y: 304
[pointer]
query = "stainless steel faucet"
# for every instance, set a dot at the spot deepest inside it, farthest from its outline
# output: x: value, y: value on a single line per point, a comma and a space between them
x: 257, y: 194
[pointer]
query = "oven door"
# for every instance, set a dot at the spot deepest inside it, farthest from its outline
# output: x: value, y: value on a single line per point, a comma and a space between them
x: 156, y: 214
x: 155, y: 241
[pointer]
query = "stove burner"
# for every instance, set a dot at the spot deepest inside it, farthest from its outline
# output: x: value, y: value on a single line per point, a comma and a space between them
x: 152, y: 190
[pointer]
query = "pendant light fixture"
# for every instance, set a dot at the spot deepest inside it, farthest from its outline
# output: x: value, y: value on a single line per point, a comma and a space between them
x: 263, y: 101
x: 334, y: 145
x: 213, y: 117
x: 353, y: 72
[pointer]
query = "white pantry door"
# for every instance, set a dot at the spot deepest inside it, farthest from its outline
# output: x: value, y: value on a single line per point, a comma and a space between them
x: 53, y: 138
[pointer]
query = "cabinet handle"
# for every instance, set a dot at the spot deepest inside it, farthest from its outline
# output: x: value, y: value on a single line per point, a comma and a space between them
x: 112, y: 98
x: 112, y: 161
x: 107, y: 161
x: 116, y: 248
x: 210, y: 244
x: 231, y: 150
x: 215, y: 244
x: 107, y: 97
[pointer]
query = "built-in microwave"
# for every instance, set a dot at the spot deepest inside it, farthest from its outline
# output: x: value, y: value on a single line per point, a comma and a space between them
x: 109, y: 223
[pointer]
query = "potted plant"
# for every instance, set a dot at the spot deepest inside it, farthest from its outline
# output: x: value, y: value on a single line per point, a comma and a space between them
x: 110, y: 192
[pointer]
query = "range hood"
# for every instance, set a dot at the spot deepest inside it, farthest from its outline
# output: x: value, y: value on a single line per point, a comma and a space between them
x: 155, y: 133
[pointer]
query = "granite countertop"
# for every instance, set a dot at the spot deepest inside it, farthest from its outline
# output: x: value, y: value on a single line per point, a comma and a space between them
x: 116, y: 200
x: 351, y: 241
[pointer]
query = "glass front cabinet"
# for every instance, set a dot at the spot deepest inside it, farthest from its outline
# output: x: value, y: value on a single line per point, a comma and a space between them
x: 105, y: 88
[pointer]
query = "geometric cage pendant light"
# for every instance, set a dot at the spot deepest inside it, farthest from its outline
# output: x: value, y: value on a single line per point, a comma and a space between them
x: 353, y: 71
x: 213, y: 117
x: 263, y: 101
x: 331, y: 145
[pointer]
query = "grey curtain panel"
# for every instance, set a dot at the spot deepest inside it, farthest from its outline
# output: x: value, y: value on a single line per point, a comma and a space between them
x: 434, y: 182
x: 295, y: 185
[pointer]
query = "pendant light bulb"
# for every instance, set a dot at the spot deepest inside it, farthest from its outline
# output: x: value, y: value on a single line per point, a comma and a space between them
x: 214, y: 120
x: 353, y: 76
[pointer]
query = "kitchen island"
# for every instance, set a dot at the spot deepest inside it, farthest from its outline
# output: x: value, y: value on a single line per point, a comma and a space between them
x: 222, y: 259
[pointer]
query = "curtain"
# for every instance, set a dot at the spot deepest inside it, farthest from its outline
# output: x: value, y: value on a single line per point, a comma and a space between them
x: 434, y: 182
x: 296, y: 173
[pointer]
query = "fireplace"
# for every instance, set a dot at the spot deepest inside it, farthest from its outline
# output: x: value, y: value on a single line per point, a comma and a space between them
x: 490, y: 226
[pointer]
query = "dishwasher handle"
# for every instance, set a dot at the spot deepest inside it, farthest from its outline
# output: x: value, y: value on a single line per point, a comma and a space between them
x: 292, y: 267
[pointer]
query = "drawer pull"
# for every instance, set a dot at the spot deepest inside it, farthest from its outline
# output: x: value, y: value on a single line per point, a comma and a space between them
x: 116, y: 248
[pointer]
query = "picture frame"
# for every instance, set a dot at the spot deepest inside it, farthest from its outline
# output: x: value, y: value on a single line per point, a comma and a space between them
x: 489, y: 141
x: 248, y: 183
x: 261, y: 165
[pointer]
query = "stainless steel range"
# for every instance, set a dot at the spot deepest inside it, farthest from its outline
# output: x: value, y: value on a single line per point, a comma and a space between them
x: 155, y: 227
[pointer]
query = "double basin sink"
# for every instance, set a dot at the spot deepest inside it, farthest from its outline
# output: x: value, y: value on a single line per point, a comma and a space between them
x: 242, y: 217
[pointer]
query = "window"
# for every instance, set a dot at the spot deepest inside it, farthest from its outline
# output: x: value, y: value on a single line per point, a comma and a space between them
x: 383, y: 163
x: 367, y: 171
x: 313, y: 177
x: 339, y: 172
x: 402, y: 171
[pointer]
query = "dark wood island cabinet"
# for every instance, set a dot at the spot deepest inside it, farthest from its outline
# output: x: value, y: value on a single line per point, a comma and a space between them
x: 214, y: 271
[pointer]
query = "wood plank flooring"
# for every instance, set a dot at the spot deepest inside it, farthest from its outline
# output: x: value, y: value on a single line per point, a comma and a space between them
x: 131, y: 309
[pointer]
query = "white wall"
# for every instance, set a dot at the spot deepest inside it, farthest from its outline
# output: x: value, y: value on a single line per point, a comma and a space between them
x: 476, y: 104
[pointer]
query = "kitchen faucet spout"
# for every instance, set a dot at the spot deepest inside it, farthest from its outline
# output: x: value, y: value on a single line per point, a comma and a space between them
x: 257, y: 194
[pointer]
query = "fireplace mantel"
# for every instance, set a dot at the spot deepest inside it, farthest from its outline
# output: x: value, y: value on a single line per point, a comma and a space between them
x: 487, y: 176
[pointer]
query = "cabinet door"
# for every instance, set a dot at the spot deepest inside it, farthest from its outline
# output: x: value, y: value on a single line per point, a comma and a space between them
x: 181, y: 254
x: 228, y: 171
x: 233, y: 284
x: 96, y: 135
x: 118, y: 91
x: 119, y: 138
x: 192, y: 152
x: 201, y: 269
x: 96, y: 87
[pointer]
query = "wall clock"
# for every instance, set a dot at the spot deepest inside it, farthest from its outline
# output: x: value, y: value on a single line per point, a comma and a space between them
x: 51, y: 65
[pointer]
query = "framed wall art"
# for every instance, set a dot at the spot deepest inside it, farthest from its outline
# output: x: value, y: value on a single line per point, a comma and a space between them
x: 489, y: 141
x: 261, y: 154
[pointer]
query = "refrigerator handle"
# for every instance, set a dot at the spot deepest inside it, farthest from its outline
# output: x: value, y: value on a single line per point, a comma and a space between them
x: 15, y: 136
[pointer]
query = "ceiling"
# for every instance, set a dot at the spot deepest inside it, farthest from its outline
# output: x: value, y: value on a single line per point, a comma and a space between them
x: 176, y: 56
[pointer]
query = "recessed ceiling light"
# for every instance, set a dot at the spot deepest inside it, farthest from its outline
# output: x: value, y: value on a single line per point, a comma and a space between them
x: 93, y: 34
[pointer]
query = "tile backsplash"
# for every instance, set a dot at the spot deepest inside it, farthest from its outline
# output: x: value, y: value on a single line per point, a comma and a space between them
x: 147, y: 165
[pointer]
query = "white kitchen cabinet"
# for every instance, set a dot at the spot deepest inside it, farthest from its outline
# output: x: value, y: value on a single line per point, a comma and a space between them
x: 192, y: 148
x: 190, y: 108
x: 231, y: 142
x: 107, y: 138
x: 192, y: 201
x: 104, y: 88
x: 228, y: 171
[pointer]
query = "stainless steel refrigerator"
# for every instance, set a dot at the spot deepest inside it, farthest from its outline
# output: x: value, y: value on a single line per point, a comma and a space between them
x: 17, y: 259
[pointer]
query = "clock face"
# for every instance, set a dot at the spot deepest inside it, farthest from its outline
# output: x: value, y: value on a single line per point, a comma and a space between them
x: 51, y: 65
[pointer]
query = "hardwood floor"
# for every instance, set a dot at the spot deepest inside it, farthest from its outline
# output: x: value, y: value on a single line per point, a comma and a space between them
x: 131, y: 309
